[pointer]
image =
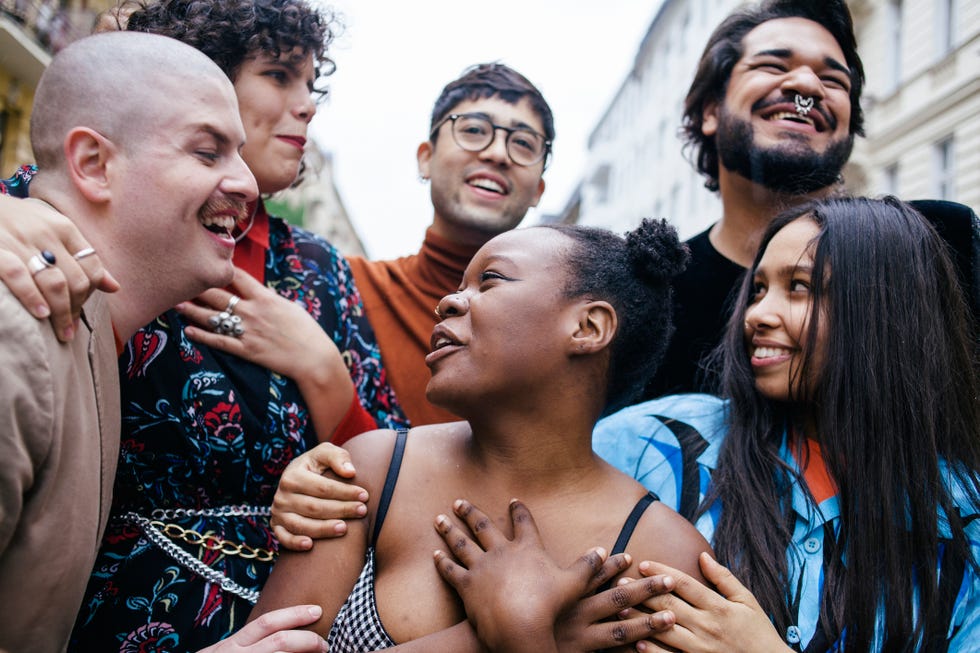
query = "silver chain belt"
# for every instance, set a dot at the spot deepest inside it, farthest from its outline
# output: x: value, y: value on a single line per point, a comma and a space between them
x: 185, y: 559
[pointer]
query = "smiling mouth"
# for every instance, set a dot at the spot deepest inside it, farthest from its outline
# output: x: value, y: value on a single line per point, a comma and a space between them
x: 765, y: 353
x: 488, y: 185
x: 792, y: 116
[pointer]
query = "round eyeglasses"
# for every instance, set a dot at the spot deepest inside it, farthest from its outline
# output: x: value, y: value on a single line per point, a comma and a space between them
x: 475, y: 132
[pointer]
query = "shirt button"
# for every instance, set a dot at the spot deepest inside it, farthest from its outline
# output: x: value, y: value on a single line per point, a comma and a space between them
x: 793, y: 635
x: 812, y: 545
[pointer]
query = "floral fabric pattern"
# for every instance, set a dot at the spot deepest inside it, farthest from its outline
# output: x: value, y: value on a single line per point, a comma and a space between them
x: 203, y: 430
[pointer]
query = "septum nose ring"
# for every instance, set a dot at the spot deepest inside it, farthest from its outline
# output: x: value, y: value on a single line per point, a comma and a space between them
x: 802, y: 104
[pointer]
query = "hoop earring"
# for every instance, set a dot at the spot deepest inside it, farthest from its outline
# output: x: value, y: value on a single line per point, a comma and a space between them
x: 251, y: 222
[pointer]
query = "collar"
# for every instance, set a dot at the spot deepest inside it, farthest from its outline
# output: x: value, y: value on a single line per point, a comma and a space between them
x: 827, y: 510
x: 440, y: 263
x: 251, y: 250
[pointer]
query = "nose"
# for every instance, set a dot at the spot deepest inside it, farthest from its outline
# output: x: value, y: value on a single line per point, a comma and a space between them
x: 804, y: 81
x: 239, y: 182
x: 304, y: 107
x: 452, y: 304
x: 762, y: 315
x: 496, y: 151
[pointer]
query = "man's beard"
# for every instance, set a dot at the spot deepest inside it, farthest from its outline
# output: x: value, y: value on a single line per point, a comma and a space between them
x: 792, y: 168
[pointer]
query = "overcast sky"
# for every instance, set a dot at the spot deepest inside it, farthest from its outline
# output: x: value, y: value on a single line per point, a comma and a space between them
x: 394, y: 58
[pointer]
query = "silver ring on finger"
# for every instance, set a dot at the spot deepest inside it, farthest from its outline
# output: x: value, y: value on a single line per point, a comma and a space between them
x: 40, y: 261
x: 82, y: 253
x: 232, y: 303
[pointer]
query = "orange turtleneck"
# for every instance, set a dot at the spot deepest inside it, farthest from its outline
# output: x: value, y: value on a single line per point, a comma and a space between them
x: 399, y: 299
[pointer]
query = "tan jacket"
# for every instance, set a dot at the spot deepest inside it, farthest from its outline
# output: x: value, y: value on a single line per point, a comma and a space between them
x: 59, y: 440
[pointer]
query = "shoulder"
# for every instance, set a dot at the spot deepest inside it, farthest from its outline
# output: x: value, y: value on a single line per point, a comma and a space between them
x: 373, y: 452
x: 666, y: 537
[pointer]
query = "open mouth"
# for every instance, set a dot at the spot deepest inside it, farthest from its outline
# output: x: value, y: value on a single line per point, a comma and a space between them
x: 487, y: 184
x: 763, y: 353
x: 793, y: 116
x: 219, y: 224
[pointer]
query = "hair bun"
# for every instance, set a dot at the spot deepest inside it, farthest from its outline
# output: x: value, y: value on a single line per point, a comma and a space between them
x: 654, y: 250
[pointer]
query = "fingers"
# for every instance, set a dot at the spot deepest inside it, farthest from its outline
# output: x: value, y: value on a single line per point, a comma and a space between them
x: 685, y: 587
x: 460, y: 545
x: 292, y: 542
x: 483, y: 528
x: 58, y: 291
x: 451, y: 572
x: 615, y: 600
x: 245, y: 284
x: 725, y: 581
x: 326, y: 456
x: 609, y: 634
x: 525, y: 528
x: 16, y: 277
x: 603, y: 569
x: 273, y: 631
x: 226, y: 343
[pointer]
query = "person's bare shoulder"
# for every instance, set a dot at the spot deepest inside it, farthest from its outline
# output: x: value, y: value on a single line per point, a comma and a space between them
x: 666, y: 537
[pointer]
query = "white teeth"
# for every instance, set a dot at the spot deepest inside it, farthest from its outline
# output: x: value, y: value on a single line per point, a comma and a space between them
x: 769, y: 352
x: 487, y: 184
x: 791, y: 115
x: 442, y: 342
x: 225, y: 222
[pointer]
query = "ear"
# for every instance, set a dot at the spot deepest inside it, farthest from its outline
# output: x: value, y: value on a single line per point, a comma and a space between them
x: 424, y: 156
x: 537, y: 197
x: 88, y: 156
x: 709, y: 119
x: 597, y: 324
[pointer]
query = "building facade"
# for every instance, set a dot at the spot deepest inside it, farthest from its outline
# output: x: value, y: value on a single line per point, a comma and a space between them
x: 922, y: 107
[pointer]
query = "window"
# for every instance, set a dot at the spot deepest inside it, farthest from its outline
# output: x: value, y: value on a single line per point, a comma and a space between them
x: 943, y: 169
x: 893, y: 22
x: 891, y: 180
x: 945, y: 26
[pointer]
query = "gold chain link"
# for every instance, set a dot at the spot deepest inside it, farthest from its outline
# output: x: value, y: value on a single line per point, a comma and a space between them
x: 213, y: 543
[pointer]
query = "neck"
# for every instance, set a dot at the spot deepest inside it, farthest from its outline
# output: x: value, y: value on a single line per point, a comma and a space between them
x: 141, y: 297
x: 747, y: 209
x: 462, y: 234
x: 536, y: 441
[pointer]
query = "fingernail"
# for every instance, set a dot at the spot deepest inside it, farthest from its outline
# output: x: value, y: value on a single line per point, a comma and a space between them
x: 315, y: 611
x: 348, y: 466
x: 442, y: 522
x: 42, y: 310
x: 179, y: 307
x: 361, y: 511
x: 69, y: 332
x: 340, y: 528
x: 457, y: 504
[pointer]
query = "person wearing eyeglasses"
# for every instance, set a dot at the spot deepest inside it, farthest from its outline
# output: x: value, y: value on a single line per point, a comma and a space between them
x: 489, y: 142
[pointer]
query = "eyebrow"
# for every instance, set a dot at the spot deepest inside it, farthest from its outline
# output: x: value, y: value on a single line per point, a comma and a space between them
x: 514, y: 124
x: 217, y: 134
x: 786, y: 53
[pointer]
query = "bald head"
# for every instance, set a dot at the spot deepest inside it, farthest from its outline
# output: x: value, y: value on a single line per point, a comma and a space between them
x: 112, y: 83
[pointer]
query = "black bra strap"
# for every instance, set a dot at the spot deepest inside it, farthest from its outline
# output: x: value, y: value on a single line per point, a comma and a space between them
x: 390, y: 480
x: 627, y: 532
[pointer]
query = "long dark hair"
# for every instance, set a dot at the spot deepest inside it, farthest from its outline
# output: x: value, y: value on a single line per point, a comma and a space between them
x: 895, y: 402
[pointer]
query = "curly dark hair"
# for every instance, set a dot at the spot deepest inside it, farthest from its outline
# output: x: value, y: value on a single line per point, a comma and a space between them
x: 723, y: 51
x: 633, y: 274
x: 231, y: 31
